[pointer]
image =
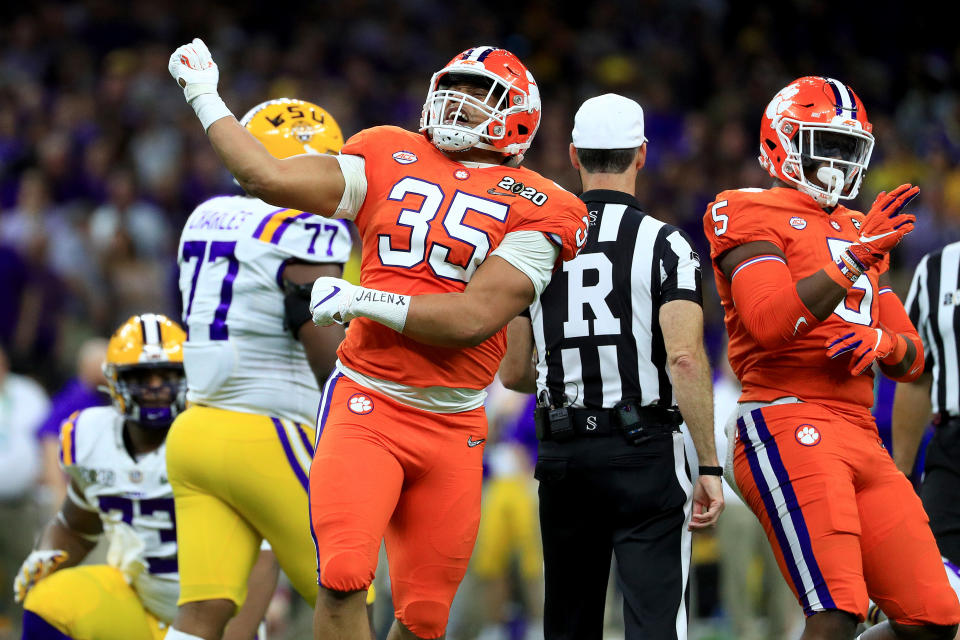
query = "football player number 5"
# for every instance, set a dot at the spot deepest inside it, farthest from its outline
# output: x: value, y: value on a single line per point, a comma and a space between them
x: 856, y: 306
x: 720, y: 219
x: 418, y: 222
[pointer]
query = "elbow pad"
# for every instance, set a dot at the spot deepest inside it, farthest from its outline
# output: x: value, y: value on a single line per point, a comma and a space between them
x: 767, y: 301
x: 296, y: 306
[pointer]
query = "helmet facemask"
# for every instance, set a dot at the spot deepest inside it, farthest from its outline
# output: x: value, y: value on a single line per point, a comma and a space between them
x: 445, y: 109
x: 826, y: 162
x: 143, y: 401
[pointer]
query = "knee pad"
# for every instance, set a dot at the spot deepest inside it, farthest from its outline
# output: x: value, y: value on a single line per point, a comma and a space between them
x: 425, y: 618
x: 346, y: 571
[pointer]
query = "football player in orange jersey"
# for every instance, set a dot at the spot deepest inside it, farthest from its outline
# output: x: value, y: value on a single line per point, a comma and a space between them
x: 446, y: 210
x: 806, y: 292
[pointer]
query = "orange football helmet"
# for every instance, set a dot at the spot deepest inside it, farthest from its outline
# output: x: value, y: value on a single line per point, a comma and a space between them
x: 289, y: 127
x: 815, y: 134
x: 511, y: 108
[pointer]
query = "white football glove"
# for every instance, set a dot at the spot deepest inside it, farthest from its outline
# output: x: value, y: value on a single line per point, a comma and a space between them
x: 329, y: 301
x: 192, y: 66
x: 38, y: 565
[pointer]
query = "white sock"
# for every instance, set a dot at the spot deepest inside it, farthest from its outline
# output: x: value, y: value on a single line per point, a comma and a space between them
x: 173, y: 634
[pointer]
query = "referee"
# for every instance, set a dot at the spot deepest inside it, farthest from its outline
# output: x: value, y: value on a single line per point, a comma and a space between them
x: 619, y: 333
x: 934, y: 307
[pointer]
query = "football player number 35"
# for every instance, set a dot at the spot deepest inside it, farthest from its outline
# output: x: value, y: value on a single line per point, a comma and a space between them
x: 418, y: 222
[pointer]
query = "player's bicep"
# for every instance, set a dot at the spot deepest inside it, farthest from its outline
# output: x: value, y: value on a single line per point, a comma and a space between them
x: 732, y: 258
x: 499, y: 291
x: 307, y: 182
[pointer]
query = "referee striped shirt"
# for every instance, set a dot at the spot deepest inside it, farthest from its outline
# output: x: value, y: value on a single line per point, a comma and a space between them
x: 934, y: 307
x: 596, y: 325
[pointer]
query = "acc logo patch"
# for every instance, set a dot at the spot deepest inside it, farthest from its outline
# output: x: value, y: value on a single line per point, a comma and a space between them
x: 461, y: 174
x: 835, y: 225
x: 405, y: 157
x: 360, y: 404
x: 807, y: 435
x: 798, y: 223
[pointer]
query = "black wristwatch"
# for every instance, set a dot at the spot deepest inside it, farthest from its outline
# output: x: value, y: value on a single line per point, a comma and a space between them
x: 711, y: 471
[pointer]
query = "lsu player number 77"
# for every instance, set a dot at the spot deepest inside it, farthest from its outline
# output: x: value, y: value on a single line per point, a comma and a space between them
x: 239, y: 456
x: 115, y: 459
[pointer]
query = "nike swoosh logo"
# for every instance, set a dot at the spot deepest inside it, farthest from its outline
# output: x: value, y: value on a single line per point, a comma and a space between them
x: 494, y: 192
x: 335, y: 291
x: 473, y: 443
x: 872, y: 238
x: 796, y: 327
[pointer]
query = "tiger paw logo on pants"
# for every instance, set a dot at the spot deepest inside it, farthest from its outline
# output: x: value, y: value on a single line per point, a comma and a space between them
x: 360, y: 404
x: 807, y: 435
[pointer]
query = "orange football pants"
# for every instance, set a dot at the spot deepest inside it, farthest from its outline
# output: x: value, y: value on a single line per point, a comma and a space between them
x: 844, y: 523
x: 384, y: 470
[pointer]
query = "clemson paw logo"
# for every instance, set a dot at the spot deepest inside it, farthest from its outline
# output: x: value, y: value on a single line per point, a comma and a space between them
x: 807, y: 435
x: 360, y: 404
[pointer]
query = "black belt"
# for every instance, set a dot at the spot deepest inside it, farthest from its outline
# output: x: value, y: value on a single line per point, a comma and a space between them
x: 637, y: 424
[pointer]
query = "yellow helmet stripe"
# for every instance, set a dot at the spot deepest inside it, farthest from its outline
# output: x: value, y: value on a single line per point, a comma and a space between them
x: 68, y: 443
x: 277, y: 219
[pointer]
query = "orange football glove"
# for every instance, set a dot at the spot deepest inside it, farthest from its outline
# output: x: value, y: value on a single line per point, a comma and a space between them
x: 884, y: 226
x: 864, y: 344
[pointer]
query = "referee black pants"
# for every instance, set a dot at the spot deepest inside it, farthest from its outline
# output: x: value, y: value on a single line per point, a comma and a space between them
x: 941, y: 488
x: 603, y: 496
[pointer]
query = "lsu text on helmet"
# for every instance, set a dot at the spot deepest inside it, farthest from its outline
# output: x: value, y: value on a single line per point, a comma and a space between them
x: 144, y: 370
x: 507, y: 119
x: 289, y: 127
x: 815, y: 134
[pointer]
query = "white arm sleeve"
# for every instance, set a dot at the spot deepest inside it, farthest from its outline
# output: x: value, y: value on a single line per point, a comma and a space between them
x: 355, y: 188
x: 532, y: 253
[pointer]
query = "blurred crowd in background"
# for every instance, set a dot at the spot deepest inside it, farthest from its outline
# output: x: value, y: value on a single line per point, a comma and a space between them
x: 101, y: 161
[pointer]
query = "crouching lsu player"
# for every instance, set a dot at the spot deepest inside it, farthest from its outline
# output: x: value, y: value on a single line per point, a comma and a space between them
x: 240, y: 455
x: 114, y: 456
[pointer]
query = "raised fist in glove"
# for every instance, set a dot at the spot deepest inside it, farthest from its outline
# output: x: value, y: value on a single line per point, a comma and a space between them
x: 329, y: 301
x: 38, y: 565
x: 192, y: 66
x: 864, y: 344
x: 884, y: 226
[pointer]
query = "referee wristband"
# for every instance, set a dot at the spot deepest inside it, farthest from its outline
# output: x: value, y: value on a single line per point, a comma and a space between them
x: 711, y: 471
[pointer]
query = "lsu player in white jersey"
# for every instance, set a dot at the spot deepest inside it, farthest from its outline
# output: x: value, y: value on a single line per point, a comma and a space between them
x: 115, y: 458
x: 239, y: 456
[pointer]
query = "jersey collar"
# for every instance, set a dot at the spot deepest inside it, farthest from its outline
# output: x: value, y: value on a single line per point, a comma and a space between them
x: 609, y: 196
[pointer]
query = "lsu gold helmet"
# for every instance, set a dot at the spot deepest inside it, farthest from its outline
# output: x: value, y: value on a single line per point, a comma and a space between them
x: 144, y: 370
x: 289, y: 127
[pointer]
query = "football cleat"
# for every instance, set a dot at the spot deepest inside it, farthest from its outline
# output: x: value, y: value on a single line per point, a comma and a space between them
x: 815, y: 134
x: 142, y: 347
x: 289, y: 127
x: 505, y: 120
